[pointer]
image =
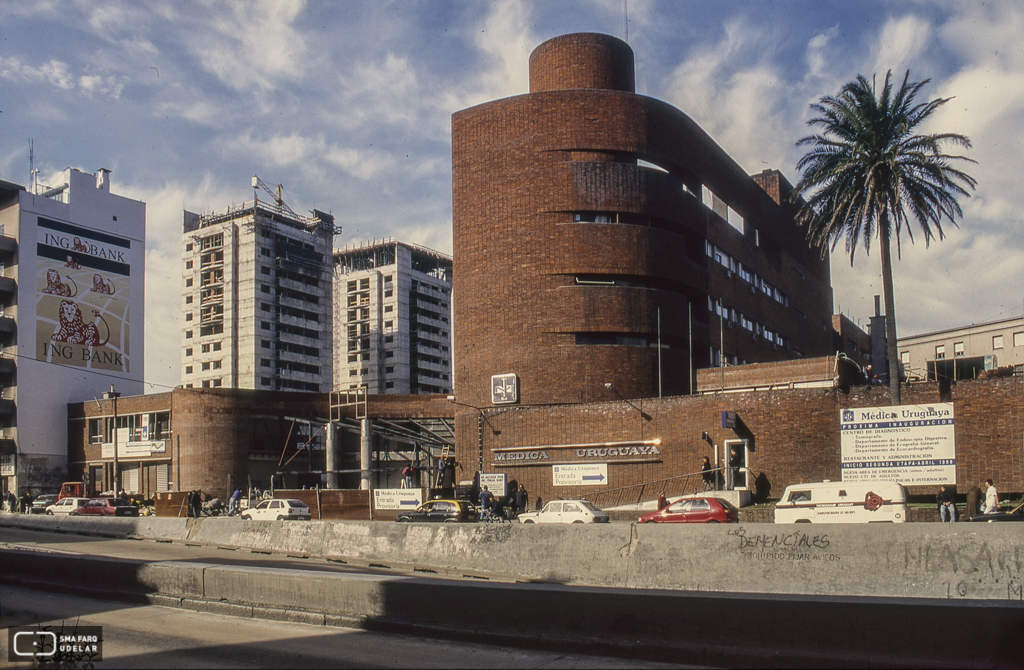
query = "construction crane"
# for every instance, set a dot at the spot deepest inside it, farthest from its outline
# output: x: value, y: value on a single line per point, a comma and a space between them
x: 279, y: 202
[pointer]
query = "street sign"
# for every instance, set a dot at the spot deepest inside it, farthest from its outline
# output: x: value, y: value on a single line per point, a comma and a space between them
x: 584, y: 474
x: 399, y: 499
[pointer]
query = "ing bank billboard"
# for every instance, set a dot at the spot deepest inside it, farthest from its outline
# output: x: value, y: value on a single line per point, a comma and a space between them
x: 83, y: 290
x: 912, y: 445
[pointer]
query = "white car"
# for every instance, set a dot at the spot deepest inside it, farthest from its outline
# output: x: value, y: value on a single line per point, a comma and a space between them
x: 65, y: 506
x: 566, y: 511
x: 276, y: 510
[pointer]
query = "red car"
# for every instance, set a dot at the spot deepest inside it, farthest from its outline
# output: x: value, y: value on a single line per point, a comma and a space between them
x: 107, y: 507
x: 694, y: 510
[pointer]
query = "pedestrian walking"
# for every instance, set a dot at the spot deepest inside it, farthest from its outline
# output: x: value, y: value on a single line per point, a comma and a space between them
x: 973, y: 502
x: 707, y: 473
x: 991, y: 497
x: 407, y: 474
x: 233, y: 502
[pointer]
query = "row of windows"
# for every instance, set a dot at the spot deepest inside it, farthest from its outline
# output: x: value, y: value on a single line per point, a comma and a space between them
x: 756, y: 283
x: 141, y: 427
x: 732, y: 316
x: 959, y: 350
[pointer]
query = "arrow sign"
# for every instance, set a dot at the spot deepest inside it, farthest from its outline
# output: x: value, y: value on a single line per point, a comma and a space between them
x: 580, y: 474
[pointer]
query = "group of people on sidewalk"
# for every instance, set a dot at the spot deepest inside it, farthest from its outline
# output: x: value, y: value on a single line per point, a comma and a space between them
x: 945, y: 499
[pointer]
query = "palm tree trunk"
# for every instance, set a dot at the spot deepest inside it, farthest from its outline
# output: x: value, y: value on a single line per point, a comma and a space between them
x: 892, y: 351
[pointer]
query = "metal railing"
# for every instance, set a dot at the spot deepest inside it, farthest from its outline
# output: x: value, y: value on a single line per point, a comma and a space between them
x: 634, y: 494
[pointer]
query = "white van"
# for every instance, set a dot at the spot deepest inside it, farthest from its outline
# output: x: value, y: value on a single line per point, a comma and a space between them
x: 839, y: 502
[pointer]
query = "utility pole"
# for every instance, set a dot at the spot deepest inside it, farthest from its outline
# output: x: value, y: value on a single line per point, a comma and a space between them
x: 114, y: 395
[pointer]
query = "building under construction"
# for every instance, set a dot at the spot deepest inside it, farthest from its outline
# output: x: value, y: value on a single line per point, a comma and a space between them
x: 256, y: 297
x: 393, y: 318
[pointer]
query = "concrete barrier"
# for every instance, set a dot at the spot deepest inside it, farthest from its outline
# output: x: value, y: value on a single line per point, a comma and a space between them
x: 677, y: 626
x: 955, y: 561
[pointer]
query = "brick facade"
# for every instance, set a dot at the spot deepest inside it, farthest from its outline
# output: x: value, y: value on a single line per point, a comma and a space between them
x: 794, y: 435
x: 582, y: 230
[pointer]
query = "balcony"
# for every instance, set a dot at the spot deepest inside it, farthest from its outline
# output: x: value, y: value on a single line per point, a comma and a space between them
x: 8, y: 245
x: 7, y: 366
x: 8, y: 286
x: 7, y: 407
x: 7, y: 326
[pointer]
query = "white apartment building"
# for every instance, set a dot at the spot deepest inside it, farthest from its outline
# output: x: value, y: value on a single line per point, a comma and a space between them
x: 72, y: 295
x: 960, y: 353
x: 256, y: 297
x: 392, y: 318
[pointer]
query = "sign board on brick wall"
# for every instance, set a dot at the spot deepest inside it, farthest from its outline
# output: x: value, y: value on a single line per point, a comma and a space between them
x: 504, y: 389
x: 400, y: 499
x: 910, y: 444
x: 495, y: 482
x: 584, y: 474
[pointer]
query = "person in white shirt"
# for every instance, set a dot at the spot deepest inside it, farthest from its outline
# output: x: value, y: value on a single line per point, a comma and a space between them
x: 991, y: 498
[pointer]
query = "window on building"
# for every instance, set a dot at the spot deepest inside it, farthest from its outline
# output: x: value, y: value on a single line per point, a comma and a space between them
x: 188, y: 265
x: 389, y: 354
x: 188, y: 282
x: 264, y: 269
x: 188, y: 300
x: 997, y: 342
x: 352, y: 286
x: 352, y: 358
x: 188, y: 334
x: 389, y: 385
x: 389, y: 370
x: 265, y: 362
x: 216, y: 365
x: 958, y: 349
x: 388, y: 292
x: 265, y: 344
x: 216, y: 383
x: 264, y: 288
x: 188, y: 352
x: 188, y: 369
x: 1018, y: 339
x: 206, y: 366
x: 188, y: 316
x: 388, y: 308
x: 389, y: 324
x: 188, y: 247
x: 364, y: 283
x: 388, y: 339
x: 940, y: 352
x: 216, y: 346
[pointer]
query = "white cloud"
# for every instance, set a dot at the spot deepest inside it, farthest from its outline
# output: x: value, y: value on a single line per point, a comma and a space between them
x: 900, y: 45
x: 252, y: 44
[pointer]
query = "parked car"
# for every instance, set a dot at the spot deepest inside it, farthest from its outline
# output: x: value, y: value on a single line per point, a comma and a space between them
x: 440, y: 511
x: 278, y: 509
x: 106, y: 507
x: 694, y: 510
x: 65, y: 506
x: 566, y: 511
x: 40, y: 504
x: 1016, y: 514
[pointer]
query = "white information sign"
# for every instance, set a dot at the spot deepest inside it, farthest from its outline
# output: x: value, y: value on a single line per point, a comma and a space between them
x: 913, y: 445
x: 583, y: 474
x: 495, y: 483
x: 397, y: 499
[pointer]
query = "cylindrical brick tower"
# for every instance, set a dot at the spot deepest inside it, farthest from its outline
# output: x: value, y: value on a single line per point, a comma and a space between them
x: 565, y: 248
x: 584, y: 240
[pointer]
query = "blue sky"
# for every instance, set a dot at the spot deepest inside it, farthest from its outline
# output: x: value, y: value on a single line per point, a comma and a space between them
x: 348, y: 105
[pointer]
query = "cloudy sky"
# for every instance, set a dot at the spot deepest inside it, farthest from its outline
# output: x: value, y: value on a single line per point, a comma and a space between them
x: 348, y: 104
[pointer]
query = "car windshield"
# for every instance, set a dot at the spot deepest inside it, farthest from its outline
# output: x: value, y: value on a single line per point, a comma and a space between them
x: 726, y: 504
x: 589, y: 505
x: 295, y: 503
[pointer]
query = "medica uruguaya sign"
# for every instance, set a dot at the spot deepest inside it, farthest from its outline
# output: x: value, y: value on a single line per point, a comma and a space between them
x: 909, y: 444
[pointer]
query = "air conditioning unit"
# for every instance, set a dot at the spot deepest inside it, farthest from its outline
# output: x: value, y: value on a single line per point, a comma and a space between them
x: 727, y: 324
x: 728, y: 273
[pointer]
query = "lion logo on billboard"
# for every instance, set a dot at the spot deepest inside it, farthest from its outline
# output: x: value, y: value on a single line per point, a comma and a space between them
x: 54, y: 286
x: 100, y: 286
x: 74, y: 330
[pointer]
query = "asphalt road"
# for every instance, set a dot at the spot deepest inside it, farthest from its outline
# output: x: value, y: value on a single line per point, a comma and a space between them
x: 150, y: 636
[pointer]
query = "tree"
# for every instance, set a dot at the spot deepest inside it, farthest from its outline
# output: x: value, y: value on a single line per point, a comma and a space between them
x: 867, y: 174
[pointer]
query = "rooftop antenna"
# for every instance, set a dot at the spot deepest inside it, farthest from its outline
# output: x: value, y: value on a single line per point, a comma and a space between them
x: 32, y: 171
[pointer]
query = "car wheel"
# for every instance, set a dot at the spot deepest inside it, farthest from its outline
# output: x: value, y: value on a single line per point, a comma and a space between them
x: 246, y: 517
x: 577, y: 521
x: 280, y: 518
x: 49, y: 513
x: 528, y: 521
x: 713, y: 521
x: 802, y: 521
x: 451, y: 520
x: 403, y: 520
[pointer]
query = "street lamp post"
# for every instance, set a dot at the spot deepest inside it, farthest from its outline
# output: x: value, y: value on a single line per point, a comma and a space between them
x: 114, y: 395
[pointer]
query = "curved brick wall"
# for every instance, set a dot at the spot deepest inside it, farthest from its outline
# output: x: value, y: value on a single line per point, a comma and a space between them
x: 532, y: 174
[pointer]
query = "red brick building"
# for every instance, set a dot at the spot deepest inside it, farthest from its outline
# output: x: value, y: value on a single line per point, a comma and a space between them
x: 601, y: 237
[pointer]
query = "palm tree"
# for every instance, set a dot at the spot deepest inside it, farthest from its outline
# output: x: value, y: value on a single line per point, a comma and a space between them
x: 866, y: 175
